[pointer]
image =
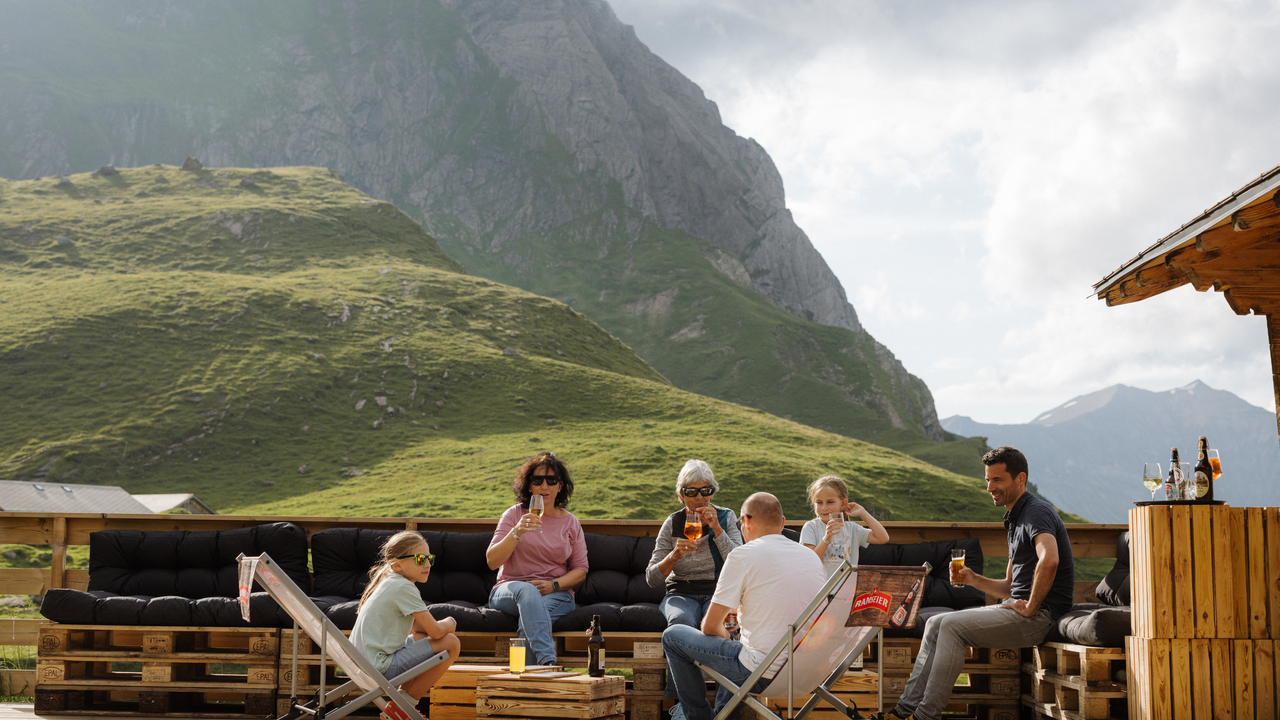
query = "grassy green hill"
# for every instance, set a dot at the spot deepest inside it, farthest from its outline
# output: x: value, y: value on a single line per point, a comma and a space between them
x: 291, y: 346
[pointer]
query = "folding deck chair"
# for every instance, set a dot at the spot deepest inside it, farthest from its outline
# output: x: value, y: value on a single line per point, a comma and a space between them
x: 377, y: 689
x: 823, y: 647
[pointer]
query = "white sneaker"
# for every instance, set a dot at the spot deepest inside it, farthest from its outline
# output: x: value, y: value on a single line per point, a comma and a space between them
x: 677, y: 712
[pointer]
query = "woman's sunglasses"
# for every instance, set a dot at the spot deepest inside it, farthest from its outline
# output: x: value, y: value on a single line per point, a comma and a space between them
x: 537, y: 480
x: 420, y: 558
x: 695, y: 492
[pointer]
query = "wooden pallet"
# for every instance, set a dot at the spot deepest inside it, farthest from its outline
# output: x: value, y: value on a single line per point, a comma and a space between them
x: 142, y: 701
x: 571, y: 695
x: 1044, y: 711
x: 900, y: 653
x: 454, y: 695
x: 1203, y: 678
x: 1075, y: 679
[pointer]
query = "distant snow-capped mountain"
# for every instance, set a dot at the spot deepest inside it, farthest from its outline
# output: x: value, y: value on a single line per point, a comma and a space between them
x: 1086, y: 455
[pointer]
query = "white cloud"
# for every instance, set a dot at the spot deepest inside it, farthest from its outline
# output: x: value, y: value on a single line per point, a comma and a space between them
x: 970, y: 169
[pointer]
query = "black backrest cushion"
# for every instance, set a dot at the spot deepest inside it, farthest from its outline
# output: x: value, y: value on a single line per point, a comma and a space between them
x: 1114, y: 589
x: 190, y: 564
x: 938, y: 591
x: 341, y: 558
x: 617, y: 565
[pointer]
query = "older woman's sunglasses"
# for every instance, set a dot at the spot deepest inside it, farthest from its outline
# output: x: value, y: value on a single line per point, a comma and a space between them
x: 695, y: 492
x: 420, y: 559
x: 551, y: 480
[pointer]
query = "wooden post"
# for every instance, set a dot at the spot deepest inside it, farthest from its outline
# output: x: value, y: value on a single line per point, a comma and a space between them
x: 1273, y: 338
x: 58, y: 573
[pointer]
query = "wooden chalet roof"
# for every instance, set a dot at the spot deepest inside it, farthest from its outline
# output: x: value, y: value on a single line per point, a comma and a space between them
x: 1233, y: 247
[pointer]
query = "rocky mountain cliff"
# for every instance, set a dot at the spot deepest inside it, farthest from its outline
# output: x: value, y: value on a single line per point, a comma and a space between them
x: 1086, y: 455
x: 539, y: 141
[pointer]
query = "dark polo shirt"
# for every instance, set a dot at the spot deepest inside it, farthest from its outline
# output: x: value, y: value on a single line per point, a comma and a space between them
x: 1030, y: 516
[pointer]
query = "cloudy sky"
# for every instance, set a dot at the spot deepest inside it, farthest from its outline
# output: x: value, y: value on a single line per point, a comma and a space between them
x: 970, y: 170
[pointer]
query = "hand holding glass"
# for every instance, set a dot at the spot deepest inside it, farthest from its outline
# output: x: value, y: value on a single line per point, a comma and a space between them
x: 692, y: 526
x: 537, y: 507
x: 957, y: 564
x: 1152, y: 478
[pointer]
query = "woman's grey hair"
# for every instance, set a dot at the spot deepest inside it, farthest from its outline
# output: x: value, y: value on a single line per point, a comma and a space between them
x: 696, y: 471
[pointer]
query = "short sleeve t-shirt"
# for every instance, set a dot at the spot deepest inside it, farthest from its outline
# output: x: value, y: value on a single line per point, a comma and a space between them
x: 770, y: 580
x: 855, y: 537
x: 386, y: 619
x: 1030, y: 516
x: 544, y: 554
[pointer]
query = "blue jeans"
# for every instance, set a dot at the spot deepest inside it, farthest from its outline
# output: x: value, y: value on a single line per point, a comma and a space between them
x: 683, y: 610
x: 535, y: 614
x: 683, y: 646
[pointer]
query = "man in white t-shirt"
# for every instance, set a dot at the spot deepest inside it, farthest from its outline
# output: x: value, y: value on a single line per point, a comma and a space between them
x: 769, y: 580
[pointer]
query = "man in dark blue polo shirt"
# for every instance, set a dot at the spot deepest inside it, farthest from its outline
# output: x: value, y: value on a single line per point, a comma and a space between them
x: 1038, y: 583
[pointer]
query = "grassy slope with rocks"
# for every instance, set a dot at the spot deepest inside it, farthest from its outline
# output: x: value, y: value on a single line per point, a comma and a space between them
x: 291, y: 346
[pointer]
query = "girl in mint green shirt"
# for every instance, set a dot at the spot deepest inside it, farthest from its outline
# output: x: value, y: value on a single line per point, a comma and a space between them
x: 394, y: 629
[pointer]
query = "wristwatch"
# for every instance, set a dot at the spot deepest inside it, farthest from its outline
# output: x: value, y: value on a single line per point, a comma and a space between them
x: 555, y: 585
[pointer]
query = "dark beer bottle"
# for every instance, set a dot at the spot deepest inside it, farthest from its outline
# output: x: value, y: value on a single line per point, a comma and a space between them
x: 595, y: 649
x: 1204, y: 474
x: 1171, y: 486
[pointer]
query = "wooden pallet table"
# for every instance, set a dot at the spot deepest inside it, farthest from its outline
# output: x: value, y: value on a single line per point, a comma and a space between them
x: 100, y: 669
x: 557, y: 695
x: 454, y: 695
x: 1075, y: 679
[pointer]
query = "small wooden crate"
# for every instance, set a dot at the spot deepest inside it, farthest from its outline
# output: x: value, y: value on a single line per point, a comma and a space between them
x: 1205, y: 572
x: 569, y: 696
x: 454, y: 695
x: 156, y: 669
x: 1192, y: 678
x: 1075, y: 680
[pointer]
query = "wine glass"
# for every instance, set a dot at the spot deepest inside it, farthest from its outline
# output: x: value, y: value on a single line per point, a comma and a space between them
x: 536, y: 506
x: 1152, y: 478
x: 1187, y: 490
x: 1216, y: 462
x: 692, y: 526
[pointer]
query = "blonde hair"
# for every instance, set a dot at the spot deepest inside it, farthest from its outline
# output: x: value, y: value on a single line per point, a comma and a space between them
x: 835, y: 482
x: 396, y: 545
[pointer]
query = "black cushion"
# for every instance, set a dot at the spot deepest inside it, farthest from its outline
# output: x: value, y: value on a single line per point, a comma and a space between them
x: 1093, y: 624
x: 1115, y: 587
x: 342, y: 557
x: 938, y: 591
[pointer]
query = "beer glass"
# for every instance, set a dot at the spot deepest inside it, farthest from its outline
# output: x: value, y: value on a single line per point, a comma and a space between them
x: 515, y: 656
x: 1152, y: 478
x: 1216, y: 462
x: 957, y: 564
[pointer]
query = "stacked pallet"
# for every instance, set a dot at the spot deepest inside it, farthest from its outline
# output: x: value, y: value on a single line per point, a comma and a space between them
x: 553, y: 695
x: 1206, y: 612
x: 1073, y: 682
x: 87, y: 669
x: 857, y: 689
x: 988, y: 687
x: 308, y: 676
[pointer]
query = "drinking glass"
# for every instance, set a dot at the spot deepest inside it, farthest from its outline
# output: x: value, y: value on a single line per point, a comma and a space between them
x: 515, y: 657
x: 536, y: 506
x: 1188, y: 489
x: 1152, y: 478
x: 957, y: 564
x: 692, y: 526
x: 1216, y: 462
x: 837, y: 543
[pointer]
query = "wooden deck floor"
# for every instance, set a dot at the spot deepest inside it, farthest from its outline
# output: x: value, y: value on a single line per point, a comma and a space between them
x: 27, y: 711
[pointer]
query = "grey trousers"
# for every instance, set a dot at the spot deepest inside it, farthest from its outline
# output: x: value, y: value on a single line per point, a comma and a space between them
x: 943, y: 648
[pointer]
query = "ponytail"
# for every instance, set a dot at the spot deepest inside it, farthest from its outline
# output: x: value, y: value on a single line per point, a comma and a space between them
x: 396, y: 545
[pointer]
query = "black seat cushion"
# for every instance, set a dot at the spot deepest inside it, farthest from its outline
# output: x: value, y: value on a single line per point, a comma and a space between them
x: 938, y: 591
x: 1114, y: 588
x: 184, y: 578
x: 1093, y: 624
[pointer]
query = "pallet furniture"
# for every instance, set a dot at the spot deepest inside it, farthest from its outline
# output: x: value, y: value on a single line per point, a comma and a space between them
x: 1206, y: 612
x: 991, y: 686
x: 559, y: 695
x: 95, y: 670
x: 1076, y: 682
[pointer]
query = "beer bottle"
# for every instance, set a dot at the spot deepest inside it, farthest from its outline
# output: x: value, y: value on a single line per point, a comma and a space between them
x: 1172, y: 489
x: 1204, y: 474
x: 900, y: 615
x: 595, y: 649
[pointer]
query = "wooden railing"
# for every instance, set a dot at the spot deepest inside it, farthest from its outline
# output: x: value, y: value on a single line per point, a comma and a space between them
x: 63, y: 531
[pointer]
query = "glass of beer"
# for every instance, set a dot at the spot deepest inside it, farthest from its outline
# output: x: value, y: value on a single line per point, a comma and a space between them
x: 957, y: 564
x: 515, y: 656
x: 1216, y: 462
x: 692, y: 526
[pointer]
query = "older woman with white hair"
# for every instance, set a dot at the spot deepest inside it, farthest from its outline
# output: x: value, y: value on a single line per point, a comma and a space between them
x: 690, y: 568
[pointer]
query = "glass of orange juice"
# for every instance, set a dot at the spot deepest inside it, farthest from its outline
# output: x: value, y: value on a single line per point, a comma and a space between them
x: 516, y: 655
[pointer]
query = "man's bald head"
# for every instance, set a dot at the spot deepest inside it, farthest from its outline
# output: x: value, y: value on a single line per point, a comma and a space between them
x: 761, y: 515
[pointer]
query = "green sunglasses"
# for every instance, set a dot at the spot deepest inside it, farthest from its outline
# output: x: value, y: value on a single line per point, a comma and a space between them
x: 420, y: 558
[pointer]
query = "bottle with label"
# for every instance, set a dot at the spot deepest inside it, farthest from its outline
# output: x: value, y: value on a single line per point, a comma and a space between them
x: 595, y: 649
x: 900, y: 615
x: 1204, y: 474
x: 1172, y: 486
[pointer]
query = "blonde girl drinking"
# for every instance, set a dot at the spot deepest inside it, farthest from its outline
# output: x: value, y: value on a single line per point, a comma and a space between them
x: 394, y: 629
x: 829, y: 534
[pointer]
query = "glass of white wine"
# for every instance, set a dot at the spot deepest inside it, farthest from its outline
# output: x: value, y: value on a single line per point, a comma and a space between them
x: 1152, y: 478
x: 536, y: 506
